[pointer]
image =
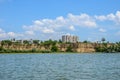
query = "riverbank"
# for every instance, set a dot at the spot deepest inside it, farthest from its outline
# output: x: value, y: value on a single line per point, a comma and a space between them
x: 58, y: 47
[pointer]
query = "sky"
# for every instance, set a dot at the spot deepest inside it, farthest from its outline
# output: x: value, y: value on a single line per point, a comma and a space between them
x: 50, y: 19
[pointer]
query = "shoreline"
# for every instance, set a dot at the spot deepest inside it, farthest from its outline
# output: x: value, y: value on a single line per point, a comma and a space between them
x: 57, y: 47
x: 60, y: 53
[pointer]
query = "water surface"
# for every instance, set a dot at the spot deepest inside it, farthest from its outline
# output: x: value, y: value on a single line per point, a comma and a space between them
x: 59, y: 66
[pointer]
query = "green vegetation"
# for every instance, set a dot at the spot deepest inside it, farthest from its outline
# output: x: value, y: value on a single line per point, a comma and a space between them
x: 69, y: 49
x: 23, y: 51
x: 103, y: 40
x: 108, y: 48
x: 49, y: 46
x: 86, y: 41
x: 54, y: 48
x: 25, y: 42
x: 6, y: 42
x: 36, y: 42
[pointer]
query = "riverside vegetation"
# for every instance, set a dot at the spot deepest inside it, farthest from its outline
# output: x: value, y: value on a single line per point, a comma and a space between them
x: 50, y: 46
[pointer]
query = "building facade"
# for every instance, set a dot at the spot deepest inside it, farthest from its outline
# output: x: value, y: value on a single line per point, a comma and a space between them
x: 69, y: 38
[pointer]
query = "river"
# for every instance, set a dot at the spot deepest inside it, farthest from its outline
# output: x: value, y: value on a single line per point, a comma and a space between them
x: 60, y: 66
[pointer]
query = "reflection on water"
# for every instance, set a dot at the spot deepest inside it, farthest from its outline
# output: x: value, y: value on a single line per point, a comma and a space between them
x: 59, y: 66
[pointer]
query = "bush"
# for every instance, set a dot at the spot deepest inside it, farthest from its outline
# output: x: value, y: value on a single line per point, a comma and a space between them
x: 69, y: 49
x: 1, y: 48
x: 54, y: 49
x: 45, y: 51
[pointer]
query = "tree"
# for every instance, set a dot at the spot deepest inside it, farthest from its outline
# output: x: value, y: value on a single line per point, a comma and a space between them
x: 6, y: 42
x: 33, y: 50
x: 35, y: 41
x: 60, y: 41
x: 69, y: 49
x: 117, y: 46
x: 85, y: 41
x: 1, y: 48
x: 26, y: 42
x: 54, y: 48
x: 47, y: 44
x: 103, y: 40
x: 54, y: 42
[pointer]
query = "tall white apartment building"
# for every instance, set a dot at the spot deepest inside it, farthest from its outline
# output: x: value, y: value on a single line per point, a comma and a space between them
x: 69, y: 38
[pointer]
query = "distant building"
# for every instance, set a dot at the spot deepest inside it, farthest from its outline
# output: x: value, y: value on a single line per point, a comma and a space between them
x: 69, y: 38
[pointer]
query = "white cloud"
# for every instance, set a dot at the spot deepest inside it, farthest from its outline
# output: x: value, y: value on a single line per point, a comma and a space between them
x: 90, y: 24
x: 83, y: 20
x: 7, y: 35
x: 37, y: 22
x: 72, y: 28
x: 11, y: 34
x: 49, y: 28
x: 101, y: 18
x: 111, y: 17
x: 46, y: 30
x: 3, y: 35
x: 14, y: 35
x: 118, y: 17
x: 68, y: 34
x: 29, y: 32
x: 61, y: 24
x: 102, y: 30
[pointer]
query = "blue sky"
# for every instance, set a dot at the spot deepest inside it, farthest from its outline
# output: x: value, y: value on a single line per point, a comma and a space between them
x: 44, y: 19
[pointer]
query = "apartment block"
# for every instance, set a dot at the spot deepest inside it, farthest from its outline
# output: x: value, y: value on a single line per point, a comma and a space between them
x: 69, y: 38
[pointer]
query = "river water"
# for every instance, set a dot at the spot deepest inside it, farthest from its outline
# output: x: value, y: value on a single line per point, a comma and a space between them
x: 59, y: 66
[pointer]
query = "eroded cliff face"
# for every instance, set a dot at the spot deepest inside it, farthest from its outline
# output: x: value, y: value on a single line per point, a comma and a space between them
x: 62, y: 47
x: 79, y: 47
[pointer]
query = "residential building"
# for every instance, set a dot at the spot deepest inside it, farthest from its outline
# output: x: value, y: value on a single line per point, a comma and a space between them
x: 69, y: 38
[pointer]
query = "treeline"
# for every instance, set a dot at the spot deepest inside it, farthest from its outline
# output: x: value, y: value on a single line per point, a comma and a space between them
x: 108, y: 48
x: 50, y: 46
x: 22, y: 51
x: 55, y: 46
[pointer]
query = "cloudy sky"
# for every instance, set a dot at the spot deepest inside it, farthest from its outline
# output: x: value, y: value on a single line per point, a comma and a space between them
x: 50, y: 19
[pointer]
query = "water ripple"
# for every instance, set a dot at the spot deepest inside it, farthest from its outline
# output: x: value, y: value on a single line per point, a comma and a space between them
x: 59, y: 67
